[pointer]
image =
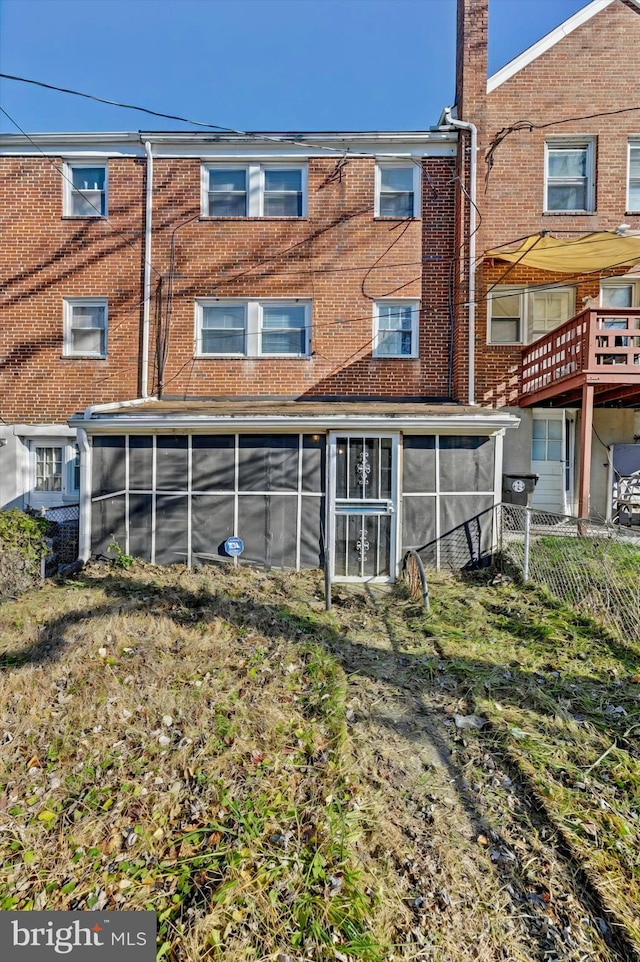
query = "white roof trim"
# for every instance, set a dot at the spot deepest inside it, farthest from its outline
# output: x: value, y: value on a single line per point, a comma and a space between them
x: 531, y: 53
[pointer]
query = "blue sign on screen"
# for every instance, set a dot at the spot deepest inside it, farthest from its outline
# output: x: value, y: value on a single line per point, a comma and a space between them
x: 234, y: 546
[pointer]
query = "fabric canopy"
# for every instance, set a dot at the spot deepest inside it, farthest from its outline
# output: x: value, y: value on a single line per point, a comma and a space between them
x: 594, y: 252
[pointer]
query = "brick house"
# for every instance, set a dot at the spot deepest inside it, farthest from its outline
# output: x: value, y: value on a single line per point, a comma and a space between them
x: 556, y: 305
x: 216, y: 335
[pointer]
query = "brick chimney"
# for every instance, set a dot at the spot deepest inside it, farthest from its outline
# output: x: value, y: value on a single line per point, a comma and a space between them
x: 471, y: 59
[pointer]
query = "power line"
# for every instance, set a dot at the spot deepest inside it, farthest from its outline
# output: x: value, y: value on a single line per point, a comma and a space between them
x: 186, y: 120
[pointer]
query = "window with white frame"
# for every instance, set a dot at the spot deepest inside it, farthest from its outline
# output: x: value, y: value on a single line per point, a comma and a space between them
x: 54, y: 472
x: 254, y: 190
x: 397, y: 190
x: 252, y: 328
x: 85, y: 327
x: 633, y: 193
x: 623, y: 292
x: 395, y: 328
x: 569, y: 176
x: 85, y: 190
x: 518, y: 316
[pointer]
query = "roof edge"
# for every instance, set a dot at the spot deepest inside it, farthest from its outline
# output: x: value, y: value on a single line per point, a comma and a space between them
x: 547, y: 42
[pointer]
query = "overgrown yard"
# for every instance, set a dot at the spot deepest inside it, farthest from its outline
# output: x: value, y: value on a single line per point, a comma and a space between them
x: 278, y: 782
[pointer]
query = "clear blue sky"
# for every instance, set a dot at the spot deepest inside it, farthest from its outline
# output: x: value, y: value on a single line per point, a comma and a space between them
x: 247, y: 64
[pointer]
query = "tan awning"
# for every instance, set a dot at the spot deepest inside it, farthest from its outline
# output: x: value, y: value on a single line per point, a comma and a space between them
x: 594, y: 252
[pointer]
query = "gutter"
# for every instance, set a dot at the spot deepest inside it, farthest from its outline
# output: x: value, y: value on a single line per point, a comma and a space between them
x: 465, y: 125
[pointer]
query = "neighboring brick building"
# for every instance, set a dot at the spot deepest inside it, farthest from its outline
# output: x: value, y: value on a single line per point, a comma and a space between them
x: 258, y: 329
x: 558, y: 133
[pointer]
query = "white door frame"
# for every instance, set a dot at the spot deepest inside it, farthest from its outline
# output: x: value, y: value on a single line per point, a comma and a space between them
x: 393, y: 511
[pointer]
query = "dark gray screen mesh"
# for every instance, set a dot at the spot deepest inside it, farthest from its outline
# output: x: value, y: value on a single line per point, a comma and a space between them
x: 171, y: 529
x: 267, y: 526
x: 213, y: 463
x: 418, y: 463
x: 419, y: 527
x: 268, y: 462
x: 313, y: 462
x: 108, y: 466
x: 211, y: 525
x: 311, y: 544
x: 107, y: 524
x: 140, y: 462
x: 466, y: 464
x: 171, y: 463
x: 140, y: 526
x: 466, y: 525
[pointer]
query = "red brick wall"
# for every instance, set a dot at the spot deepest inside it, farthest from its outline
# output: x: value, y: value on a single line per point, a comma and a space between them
x: 340, y: 257
x: 591, y: 71
x: 46, y: 257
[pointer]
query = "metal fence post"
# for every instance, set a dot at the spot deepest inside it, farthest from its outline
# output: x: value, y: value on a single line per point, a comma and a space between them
x: 527, y: 544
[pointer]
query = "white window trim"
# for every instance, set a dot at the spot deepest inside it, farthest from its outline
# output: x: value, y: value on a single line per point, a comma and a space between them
x: 255, y: 188
x: 522, y: 292
x: 557, y: 142
x: 68, y: 492
x: 253, y: 324
x: 417, y: 171
x: 633, y: 144
x: 69, y: 304
x: 414, y: 304
x: 67, y: 186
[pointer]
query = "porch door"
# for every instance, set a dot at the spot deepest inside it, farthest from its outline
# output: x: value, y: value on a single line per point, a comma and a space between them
x: 363, y: 507
x: 552, y: 455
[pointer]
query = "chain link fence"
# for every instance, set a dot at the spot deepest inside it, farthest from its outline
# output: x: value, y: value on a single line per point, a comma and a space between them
x: 593, y: 565
x: 590, y: 564
x: 62, y: 538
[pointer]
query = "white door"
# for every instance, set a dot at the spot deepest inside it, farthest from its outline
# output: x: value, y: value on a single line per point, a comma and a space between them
x: 552, y: 453
x: 363, y: 507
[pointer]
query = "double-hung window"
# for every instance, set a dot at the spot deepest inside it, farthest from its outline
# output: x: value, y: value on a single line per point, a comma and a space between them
x: 519, y: 316
x: 85, y: 327
x: 54, y: 471
x: 397, y: 190
x: 252, y: 328
x: 395, y: 328
x: 85, y: 190
x: 569, y: 176
x: 254, y: 190
x: 633, y: 193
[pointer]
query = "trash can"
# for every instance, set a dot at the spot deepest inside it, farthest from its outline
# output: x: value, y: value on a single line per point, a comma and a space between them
x: 518, y: 488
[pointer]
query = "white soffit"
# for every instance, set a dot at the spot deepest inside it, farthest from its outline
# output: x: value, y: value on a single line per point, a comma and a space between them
x: 531, y: 53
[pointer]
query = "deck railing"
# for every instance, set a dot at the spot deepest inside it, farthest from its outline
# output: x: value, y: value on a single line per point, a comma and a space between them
x: 601, y: 341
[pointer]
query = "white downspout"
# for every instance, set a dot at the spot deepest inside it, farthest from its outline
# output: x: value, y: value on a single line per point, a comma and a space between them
x: 144, y: 385
x: 473, y: 162
x: 84, y: 515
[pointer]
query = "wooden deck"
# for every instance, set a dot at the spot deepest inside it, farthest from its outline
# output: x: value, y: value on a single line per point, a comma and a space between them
x: 600, y: 347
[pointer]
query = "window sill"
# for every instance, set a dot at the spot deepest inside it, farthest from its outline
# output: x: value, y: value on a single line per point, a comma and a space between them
x: 395, y: 357
x: 207, y: 217
x: 83, y: 357
x: 399, y: 220
x: 568, y: 213
x: 84, y: 217
x: 252, y: 357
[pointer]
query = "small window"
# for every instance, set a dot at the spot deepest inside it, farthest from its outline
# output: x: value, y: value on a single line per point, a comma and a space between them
x: 633, y: 199
x: 395, y: 329
x: 86, y: 190
x: 569, y: 176
x: 254, y: 190
x: 621, y: 294
x: 397, y: 190
x: 519, y: 316
x: 252, y: 328
x: 85, y: 327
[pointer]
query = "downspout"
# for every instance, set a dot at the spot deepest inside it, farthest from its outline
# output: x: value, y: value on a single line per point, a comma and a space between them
x: 84, y: 516
x: 473, y: 162
x: 144, y: 385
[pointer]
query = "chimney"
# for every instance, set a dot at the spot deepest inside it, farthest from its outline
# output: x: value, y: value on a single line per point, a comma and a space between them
x: 471, y: 59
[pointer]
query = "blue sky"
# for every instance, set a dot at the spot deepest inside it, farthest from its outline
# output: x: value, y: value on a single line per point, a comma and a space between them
x: 248, y: 64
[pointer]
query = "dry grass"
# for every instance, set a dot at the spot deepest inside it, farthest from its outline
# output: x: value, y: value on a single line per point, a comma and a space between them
x: 281, y: 783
